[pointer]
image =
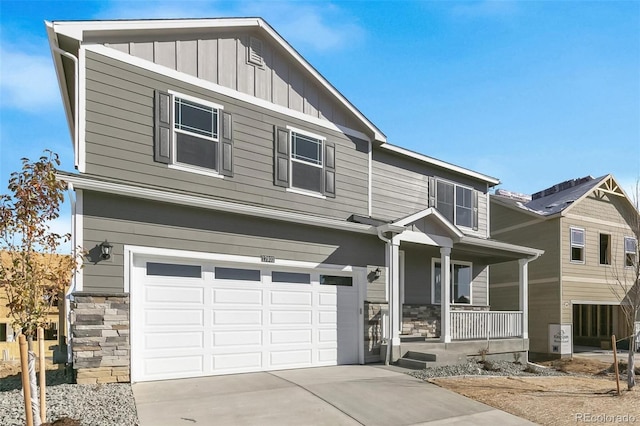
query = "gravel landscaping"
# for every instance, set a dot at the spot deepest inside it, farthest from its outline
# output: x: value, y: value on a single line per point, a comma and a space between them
x: 486, y: 368
x: 94, y: 405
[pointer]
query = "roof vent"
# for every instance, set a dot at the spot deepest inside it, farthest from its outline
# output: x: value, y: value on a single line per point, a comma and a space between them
x: 254, y: 52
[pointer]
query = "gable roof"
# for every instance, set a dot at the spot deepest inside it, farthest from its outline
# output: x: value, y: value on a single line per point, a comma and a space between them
x: 560, y: 198
x: 83, y: 30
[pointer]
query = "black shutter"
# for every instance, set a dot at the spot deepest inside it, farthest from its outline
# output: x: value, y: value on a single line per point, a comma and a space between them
x: 226, y: 145
x: 162, y: 138
x: 432, y: 192
x: 329, y: 169
x: 280, y: 156
x: 474, y: 206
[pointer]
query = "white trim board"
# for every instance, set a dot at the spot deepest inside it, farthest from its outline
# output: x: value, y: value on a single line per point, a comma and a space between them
x: 81, y: 182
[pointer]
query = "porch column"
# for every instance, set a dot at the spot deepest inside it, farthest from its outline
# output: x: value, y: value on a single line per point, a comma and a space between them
x: 395, y: 304
x: 445, y: 294
x: 524, y: 296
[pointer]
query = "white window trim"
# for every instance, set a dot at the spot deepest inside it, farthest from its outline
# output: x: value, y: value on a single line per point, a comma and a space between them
x: 455, y: 185
x: 452, y: 262
x: 184, y: 166
x: 624, y: 248
x: 292, y: 188
x: 307, y: 193
x: 583, y: 246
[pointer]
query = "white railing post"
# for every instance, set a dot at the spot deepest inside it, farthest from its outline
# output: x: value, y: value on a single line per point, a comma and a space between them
x: 445, y: 293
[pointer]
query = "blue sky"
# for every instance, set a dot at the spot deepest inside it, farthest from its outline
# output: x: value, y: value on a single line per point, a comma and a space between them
x: 532, y: 93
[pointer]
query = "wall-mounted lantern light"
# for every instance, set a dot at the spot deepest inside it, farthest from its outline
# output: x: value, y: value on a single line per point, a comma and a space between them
x: 377, y: 273
x: 105, y: 249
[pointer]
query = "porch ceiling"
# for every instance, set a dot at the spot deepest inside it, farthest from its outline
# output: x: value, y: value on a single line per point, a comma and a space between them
x: 493, y: 251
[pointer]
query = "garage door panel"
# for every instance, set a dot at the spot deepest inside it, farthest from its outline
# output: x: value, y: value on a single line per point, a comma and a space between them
x: 237, y: 338
x: 177, y: 366
x: 242, y: 297
x: 327, y: 299
x: 174, y: 317
x: 174, y: 340
x: 301, y: 298
x: 280, y: 337
x: 327, y: 355
x: 250, y: 361
x: 290, y: 358
x: 237, y: 317
x: 327, y: 336
x: 173, y: 294
x: 290, y: 317
x: 327, y: 317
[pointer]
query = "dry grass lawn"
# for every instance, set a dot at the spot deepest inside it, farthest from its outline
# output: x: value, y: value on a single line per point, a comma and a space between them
x: 555, y: 400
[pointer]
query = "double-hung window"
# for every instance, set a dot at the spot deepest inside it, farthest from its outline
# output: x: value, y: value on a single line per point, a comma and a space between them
x: 630, y: 251
x: 193, y: 134
x: 577, y: 245
x: 460, y: 283
x: 196, y: 133
x: 304, y: 162
x: 456, y: 203
x: 605, y: 249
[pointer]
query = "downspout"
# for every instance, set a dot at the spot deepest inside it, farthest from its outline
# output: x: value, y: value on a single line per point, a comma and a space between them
x: 387, y: 356
x: 76, y: 103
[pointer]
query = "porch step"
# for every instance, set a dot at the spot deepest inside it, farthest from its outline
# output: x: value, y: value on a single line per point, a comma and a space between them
x: 419, y: 360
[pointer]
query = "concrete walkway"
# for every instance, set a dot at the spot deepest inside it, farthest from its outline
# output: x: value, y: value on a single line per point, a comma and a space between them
x: 342, y: 395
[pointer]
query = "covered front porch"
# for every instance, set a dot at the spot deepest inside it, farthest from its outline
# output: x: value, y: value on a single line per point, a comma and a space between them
x: 425, y: 250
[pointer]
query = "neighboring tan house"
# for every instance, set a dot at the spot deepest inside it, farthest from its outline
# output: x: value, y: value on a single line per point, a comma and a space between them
x: 585, y: 228
x: 9, y: 349
x: 257, y: 219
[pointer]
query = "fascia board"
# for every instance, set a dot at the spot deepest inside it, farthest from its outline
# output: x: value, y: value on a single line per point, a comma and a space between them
x: 439, y: 163
x: 80, y: 182
x: 77, y: 30
x: 62, y: 83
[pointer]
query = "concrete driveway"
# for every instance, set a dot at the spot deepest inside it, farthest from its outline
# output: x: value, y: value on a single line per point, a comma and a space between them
x: 342, y: 395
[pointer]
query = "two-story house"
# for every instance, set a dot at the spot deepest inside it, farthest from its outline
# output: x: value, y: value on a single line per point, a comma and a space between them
x: 587, y: 228
x: 242, y: 215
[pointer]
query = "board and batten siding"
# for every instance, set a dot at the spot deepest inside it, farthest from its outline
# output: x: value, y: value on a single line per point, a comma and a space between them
x: 221, y: 57
x: 400, y: 187
x: 119, y: 143
x: 131, y: 221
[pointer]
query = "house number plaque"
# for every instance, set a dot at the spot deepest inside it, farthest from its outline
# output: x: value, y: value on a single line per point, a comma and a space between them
x: 267, y: 259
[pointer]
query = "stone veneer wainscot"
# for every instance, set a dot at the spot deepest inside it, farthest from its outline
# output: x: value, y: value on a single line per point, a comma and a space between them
x: 100, y: 345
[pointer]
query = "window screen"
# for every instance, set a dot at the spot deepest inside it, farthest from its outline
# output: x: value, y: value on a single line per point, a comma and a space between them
x: 464, y: 207
x: 237, y: 274
x: 445, y: 202
x: 174, y: 270
x: 290, y: 277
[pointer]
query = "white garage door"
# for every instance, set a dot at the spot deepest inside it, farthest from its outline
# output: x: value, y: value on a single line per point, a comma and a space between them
x: 198, y: 319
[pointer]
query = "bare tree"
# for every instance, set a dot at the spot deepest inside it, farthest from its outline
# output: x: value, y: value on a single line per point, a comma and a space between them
x: 625, y: 280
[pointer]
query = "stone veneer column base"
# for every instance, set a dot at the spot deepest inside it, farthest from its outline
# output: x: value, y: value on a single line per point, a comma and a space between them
x: 100, y: 345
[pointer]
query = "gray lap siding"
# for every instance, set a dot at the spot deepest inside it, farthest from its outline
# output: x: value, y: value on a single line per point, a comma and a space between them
x: 119, y: 142
x: 130, y: 221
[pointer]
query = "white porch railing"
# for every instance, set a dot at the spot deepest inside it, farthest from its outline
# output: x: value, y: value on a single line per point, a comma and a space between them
x: 475, y: 325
